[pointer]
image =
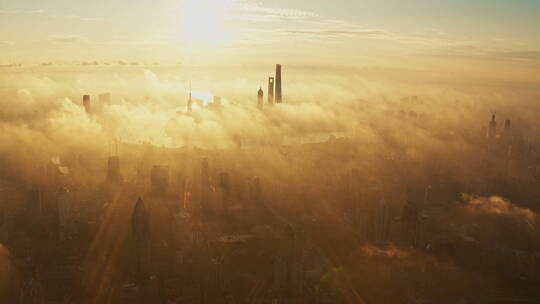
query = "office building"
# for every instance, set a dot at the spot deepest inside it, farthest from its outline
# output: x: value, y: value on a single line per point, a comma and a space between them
x: 278, y: 83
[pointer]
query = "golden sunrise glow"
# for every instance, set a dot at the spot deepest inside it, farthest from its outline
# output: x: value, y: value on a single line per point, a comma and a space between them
x: 203, y: 21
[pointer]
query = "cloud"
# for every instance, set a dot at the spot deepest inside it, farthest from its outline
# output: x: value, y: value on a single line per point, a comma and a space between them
x: 518, y: 55
x: 337, y: 33
x: 261, y: 14
x: 17, y: 12
x: 67, y: 39
x: 496, y: 205
x: 81, y: 18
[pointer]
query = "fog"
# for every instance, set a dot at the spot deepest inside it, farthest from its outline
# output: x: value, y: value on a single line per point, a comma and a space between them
x: 400, y: 188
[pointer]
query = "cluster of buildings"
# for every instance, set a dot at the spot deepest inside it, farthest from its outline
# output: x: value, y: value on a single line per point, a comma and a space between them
x: 274, y: 90
x: 216, y: 226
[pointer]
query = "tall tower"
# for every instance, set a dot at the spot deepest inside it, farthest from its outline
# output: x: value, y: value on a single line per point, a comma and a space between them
x: 278, y: 83
x: 113, y: 166
x: 225, y: 185
x: 271, y: 90
x: 492, y: 127
x: 507, y: 125
x: 205, y: 183
x: 190, y: 101
x: 159, y: 177
x: 113, y: 169
x: 140, y: 228
x: 86, y: 103
x: 260, y: 97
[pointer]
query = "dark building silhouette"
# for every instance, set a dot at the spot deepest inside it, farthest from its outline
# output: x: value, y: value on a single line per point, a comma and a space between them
x: 113, y: 169
x: 380, y: 223
x: 492, y: 127
x: 411, y: 221
x: 159, y: 177
x: 140, y: 228
x: 260, y: 98
x: 271, y: 90
x: 205, y: 183
x: 226, y: 193
x: 140, y: 221
x: 278, y: 83
x: 190, y: 101
x: 86, y: 103
x: 507, y: 125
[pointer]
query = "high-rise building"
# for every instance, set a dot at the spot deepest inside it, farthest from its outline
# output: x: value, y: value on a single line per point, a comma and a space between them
x: 113, y: 169
x: 65, y: 217
x: 507, y: 125
x: 411, y: 218
x: 140, y: 229
x: 260, y: 97
x: 190, y: 101
x: 381, y: 223
x: 226, y: 193
x: 159, y: 179
x: 205, y: 183
x: 278, y: 83
x: 492, y: 127
x: 271, y: 90
x: 140, y: 224
x: 86, y: 103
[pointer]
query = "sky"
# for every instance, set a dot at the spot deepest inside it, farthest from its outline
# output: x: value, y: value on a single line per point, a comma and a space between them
x: 501, y: 33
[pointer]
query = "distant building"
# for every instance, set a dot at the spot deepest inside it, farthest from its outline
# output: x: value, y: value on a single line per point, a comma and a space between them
x: 66, y: 224
x: 105, y: 98
x: 159, y: 178
x: 113, y: 169
x: 190, y: 101
x: 205, y: 183
x: 260, y: 98
x: 226, y: 193
x: 271, y: 90
x: 140, y: 228
x: 492, y: 132
x: 380, y: 227
x: 411, y: 219
x: 278, y: 83
x: 86, y: 103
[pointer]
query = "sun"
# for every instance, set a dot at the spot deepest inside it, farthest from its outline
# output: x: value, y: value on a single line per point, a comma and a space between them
x: 204, y: 21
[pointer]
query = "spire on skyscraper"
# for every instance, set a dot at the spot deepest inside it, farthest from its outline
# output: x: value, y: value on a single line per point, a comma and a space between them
x: 190, y: 101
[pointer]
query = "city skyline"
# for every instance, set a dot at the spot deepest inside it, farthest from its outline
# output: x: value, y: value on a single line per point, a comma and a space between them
x: 269, y: 152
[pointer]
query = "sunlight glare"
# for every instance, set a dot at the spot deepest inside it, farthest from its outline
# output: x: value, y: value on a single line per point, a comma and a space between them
x: 204, y: 20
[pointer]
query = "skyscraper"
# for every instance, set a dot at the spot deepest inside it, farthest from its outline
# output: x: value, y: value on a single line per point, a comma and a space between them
x: 507, y: 125
x: 140, y: 220
x: 113, y: 169
x: 492, y: 127
x: 159, y: 177
x: 278, y: 83
x: 86, y: 103
x: 140, y: 229
x: 190, y: 101
x: 260, y: 97
x: 271, y: 90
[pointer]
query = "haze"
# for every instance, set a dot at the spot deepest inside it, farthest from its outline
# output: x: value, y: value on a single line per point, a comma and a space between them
x: 236, y: 151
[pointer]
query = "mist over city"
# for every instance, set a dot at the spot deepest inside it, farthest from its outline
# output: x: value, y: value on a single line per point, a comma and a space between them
x: 228, y: 151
